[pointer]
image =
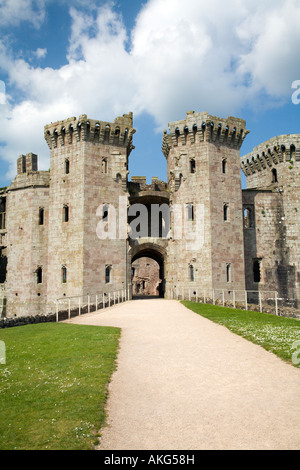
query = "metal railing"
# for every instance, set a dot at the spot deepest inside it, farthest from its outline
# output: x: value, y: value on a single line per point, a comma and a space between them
x: 78, y: 305
x: 244, y: 299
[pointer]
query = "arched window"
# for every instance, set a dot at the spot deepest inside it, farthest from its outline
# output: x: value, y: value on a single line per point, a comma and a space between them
x: 105, y: 212
x: 118, y: 178
x: 107, y: 274
x: 104, y: 166
x: 292, y: 152
x: 248, y: 217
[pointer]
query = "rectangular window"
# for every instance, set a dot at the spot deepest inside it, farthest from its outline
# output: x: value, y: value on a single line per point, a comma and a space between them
x: 64, y: 275
x: 226, y: 212
x: 39, y: 275
x: 256, y: 270
x: 228, y: 272
x: 224, y: 164
x: 2, y: 212
x: 41, y: 216
x: 192, y: 166
x: 66, y: 213
x: 190, y: 212
x: 67, y: 166
x: 105, y: 213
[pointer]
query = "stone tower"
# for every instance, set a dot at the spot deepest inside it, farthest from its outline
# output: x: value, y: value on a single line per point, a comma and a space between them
x: 27, y: 202
x: 204, y: 178
x: 89, y: 171
x: 272, y: 217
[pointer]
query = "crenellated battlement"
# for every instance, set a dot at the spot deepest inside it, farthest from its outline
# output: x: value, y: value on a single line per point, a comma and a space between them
x: 71, y: 130
x: 285, y: 148
x: 203, y: 127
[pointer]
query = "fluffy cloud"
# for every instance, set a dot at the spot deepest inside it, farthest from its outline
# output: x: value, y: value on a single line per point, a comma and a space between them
x: 217, y: 57
x: 13, y: 12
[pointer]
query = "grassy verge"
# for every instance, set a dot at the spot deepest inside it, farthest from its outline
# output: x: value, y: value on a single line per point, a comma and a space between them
x: 53, y: 386
x: 275, y: 334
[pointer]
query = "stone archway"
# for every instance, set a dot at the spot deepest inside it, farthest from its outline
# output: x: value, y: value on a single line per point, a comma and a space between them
x: 154, y: 252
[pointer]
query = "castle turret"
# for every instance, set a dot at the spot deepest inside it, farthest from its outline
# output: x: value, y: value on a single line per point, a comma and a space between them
x: 272, y: 217
x: 89, y: 170
x: 204, y: 177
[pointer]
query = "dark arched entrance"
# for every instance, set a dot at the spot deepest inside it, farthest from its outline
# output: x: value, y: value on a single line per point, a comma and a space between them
x: 155, y: 252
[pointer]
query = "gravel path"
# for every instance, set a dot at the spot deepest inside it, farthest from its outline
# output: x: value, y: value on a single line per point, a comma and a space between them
x: 185, y: 383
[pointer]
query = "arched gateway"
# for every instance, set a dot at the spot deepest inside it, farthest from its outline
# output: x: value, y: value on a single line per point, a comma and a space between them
x: 150, y: 241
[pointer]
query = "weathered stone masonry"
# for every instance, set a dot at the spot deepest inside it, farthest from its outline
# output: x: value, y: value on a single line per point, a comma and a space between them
x: 48, y: 219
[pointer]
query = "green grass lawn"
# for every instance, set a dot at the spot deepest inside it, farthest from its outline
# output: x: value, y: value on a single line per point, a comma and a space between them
x: 273, y: 333
x: 53, y: 386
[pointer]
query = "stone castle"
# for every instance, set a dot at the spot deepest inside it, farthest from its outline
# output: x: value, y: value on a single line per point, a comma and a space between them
x: 249, y: 239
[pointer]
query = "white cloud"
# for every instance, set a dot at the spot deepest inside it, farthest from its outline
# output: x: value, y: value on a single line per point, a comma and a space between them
x: 13, y: 12
x: 182, y: 56
x: 40, y: 53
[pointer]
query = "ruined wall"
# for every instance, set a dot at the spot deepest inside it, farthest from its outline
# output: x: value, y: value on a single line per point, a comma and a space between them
x: 204, y: 169
x: 145, y: 279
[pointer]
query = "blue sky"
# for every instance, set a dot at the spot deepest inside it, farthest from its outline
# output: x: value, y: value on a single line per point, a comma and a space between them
x: 156, y: 58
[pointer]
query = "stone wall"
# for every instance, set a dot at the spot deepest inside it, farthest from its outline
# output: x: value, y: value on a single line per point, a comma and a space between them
x: 145, y: 279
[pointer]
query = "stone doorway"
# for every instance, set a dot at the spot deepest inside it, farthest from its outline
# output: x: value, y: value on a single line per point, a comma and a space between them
x: 147, y: 272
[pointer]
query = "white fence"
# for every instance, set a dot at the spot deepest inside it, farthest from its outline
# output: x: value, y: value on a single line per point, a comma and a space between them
x: 77, y: 305
x: 229, y: 298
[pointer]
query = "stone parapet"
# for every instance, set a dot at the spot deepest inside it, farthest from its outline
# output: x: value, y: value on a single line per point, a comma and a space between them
x: 203, y: 127
x: 82, y: 129
x: 282, y: 149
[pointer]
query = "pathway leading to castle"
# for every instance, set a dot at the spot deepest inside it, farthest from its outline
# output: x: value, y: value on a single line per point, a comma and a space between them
x: 185, y: 383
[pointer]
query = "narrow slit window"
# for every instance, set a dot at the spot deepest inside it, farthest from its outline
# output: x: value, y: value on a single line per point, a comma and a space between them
x: 63, y: 274
x: 228, y: 272
x: 256, y: 271
x: 191, y: 273
x: 107, y: 274
x: 41, y: 216
x: 225, y: 211
x: 274, y: 176
x: 104, y: 166
x: 190, y: 212
x: 192, y: 166
x: 67, y: 166
x: 105, y: 213
x: 66, y: 213
x: 39, y: 275
x: 2, y: 212
x: 224, y: 165
x: 248, y: 217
